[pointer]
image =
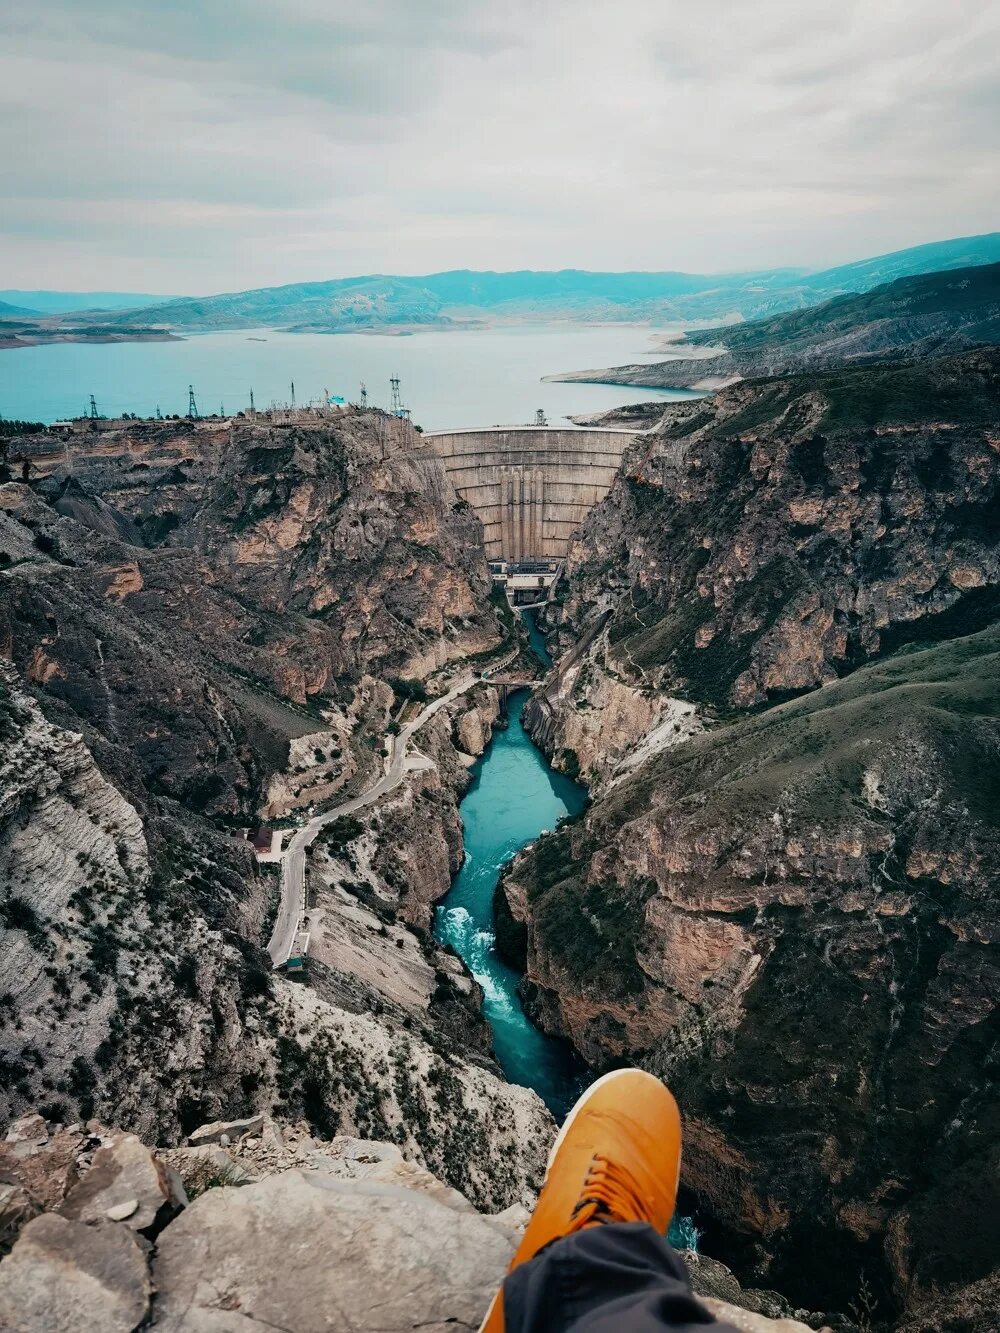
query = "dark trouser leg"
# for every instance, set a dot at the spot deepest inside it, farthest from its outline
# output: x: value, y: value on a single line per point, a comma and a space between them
x: 619, y: 1278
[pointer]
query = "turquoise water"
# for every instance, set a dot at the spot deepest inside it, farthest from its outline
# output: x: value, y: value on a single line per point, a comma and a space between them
x: 514, y: 796
x: 536, y: 639
x: 474, y: 378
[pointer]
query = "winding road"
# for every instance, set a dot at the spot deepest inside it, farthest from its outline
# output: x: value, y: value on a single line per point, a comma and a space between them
x: 291, y: 908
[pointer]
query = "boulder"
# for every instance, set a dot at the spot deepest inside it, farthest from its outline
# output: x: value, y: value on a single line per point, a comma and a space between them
x: 225, y: 1130
x: 126, y: 1172
x: 64, y: 1277
x: 346, y: 1158
x: 305, y: 1251
x: 30, y: 1129
x: 45, y: 1167
x: 16, y: 1208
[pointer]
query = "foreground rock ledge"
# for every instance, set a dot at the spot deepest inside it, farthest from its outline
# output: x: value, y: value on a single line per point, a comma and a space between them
x: 65, y: 1276
x: 342, y: 1236
x: 311, y: 1253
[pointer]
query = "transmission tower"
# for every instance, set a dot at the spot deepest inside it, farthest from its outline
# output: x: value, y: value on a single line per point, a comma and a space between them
x: 293, y: 393
x: 540, y: 417
x: 364, y: 397
x: 394, y: 385
x: 192, y: 405
x: 93, y: 408
x: 159, y: 414
x: 253, y: 410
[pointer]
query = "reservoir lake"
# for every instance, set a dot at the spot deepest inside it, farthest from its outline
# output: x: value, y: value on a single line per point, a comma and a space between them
x: 480, y: 377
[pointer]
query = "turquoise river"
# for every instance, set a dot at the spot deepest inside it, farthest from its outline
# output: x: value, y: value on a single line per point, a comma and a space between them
x: 514, y: 797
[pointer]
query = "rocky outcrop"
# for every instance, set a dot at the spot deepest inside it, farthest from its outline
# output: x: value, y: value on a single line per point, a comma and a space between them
x: 474, y: 725
x: 63, y: 1276
x: 108, y: 968
x: 789, y: 915
x: 201, y: 622
x: 379, y: 1243
x: 211, y: 596
x: 599, y: 725
x: 120, y: 996
x: 770, y: 540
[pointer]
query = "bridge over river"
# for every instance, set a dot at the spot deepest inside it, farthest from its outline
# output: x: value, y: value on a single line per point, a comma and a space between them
x: 532, y: 486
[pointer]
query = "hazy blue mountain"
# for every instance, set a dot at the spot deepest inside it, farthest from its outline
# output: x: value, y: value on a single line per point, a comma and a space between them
x: 60, y: 303
x: 14, y: 311
x: 918, y: 317
x: 936, y: 257
x: 466, y: 296
x: 960, y: 306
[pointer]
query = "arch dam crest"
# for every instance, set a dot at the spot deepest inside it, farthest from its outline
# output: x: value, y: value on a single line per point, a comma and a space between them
x: 532, y: 486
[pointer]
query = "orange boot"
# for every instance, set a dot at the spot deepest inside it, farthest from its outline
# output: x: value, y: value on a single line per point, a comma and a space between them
x: 617, y: 1158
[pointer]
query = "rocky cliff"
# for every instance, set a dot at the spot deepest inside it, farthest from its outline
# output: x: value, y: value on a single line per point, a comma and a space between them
x: 771, y: 539
x: 202, y: 623
x: 787, y: 904
x: 277, y: 1228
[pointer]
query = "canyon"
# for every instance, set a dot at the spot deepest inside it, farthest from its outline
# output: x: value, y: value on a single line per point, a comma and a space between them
x: 779, y: 678
x: 205, y: 627
x: 775, y: 662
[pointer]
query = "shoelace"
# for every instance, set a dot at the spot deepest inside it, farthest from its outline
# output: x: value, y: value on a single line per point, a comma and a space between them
x: 610, y: 1194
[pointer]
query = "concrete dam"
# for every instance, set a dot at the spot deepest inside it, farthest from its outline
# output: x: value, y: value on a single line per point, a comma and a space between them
x: 532, y: 486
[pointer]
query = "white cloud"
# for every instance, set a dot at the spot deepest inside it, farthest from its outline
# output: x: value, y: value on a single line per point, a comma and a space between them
x: 197, y: 148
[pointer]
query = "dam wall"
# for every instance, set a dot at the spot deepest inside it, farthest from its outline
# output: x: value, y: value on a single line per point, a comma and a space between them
x: 532, y: 486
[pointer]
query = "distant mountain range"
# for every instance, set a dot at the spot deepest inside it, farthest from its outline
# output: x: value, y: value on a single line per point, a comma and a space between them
x: 933, y: 314
x: 61, y: 303
x: 464, y: 297
x: 14, y: 311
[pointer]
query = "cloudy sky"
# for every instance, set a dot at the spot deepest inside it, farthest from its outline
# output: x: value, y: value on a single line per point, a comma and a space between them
x: 206, y: 145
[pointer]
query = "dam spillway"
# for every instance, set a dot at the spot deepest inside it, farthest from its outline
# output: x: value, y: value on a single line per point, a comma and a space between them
x: 532, y: 486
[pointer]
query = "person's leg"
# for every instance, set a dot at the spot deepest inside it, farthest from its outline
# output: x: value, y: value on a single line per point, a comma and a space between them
x: 607, y: 1279
x: 593, y: 1257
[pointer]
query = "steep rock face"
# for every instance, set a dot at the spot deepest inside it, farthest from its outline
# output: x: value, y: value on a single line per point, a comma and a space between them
x: 112, y: 959
x: 792, y: 916
x: 772, y: 539
x: 212, y: 594
x: 120, y: 995
x: 794, y: 920
x: 373, y: 887
x: 192, y: 625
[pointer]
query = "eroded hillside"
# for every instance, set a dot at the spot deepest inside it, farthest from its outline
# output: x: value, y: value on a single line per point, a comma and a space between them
x: 204, y: 624
x: 784, y: 896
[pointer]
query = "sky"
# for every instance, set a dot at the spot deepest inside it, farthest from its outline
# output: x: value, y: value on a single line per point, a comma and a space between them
x: 195, y: 146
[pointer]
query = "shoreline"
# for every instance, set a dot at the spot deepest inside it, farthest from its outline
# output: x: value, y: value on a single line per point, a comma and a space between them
x: 14, y: 343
